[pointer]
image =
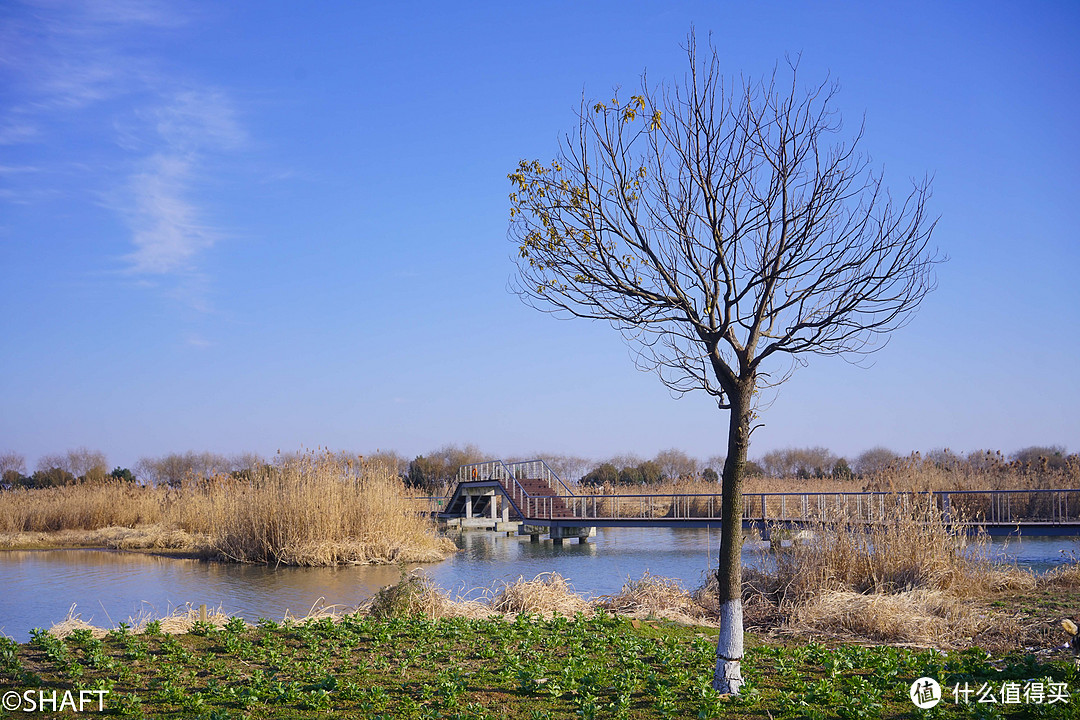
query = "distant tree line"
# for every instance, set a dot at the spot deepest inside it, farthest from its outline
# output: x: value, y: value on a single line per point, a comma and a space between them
x: 433, y: 472
x: 818, y: 462
x: 80, y: 465
x: 174, y: 469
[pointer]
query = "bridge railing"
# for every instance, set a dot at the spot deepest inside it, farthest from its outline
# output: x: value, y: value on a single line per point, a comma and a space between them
x: 1000, y: 507
x: 539, y: 469
x: 495, y: 470
x: 509, y: 473
x: 1004, y: 507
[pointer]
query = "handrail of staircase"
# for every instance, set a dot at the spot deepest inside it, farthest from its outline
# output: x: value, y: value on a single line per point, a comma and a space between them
x: 545, y: 472
x: 494, y: 470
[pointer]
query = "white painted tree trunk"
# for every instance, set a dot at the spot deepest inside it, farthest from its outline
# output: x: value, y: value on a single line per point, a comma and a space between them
x: 727, y: 679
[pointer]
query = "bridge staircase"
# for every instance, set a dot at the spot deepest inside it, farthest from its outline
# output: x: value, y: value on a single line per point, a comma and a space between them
x: 531, y: 488
x: 520, y: 496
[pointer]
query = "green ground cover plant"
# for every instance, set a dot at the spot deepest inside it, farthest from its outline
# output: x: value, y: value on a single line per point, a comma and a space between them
x: 600, y: 666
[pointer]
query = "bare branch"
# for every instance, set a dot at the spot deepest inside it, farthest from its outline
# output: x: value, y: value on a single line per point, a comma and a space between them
x: 719, y: 225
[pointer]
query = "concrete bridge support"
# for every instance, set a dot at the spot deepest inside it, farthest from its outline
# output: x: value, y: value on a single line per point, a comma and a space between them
x: 475, y: 516
x: 560, y: 533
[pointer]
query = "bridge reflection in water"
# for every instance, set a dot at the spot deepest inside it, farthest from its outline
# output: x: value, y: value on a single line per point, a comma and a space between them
x: 528, y: 497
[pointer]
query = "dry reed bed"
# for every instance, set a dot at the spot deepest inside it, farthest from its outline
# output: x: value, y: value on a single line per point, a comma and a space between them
x: 314, y: 509
x: 545, y: 595
x: 909, y: 580
x: 912, y: 474
x: 177, y: 622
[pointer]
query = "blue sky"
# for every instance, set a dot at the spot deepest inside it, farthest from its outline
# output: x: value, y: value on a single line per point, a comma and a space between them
x: 253, y: 226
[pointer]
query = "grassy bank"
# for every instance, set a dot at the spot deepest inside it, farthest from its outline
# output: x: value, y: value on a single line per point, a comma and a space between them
x: 601, y: 666
x: 315, y: 509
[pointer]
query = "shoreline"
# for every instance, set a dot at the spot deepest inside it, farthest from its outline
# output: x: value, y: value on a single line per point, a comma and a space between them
x: 172, y: 542
x: 1012, y: 618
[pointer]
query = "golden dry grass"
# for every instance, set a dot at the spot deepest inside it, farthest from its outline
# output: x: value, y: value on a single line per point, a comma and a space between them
x: 932, y: 618
x: 310, y: 509
x: 87, y: 506
x: 546, y: 594
x: 159, y: 538
x: 916, y: 474
x: 318, y: 510
x: 653, y: 596
x: 915, y: 548
x: 911, y: 580
x: 177, y: 622
x: 416, y: 594
x: 74, y: 622
x: 1064, y: 577
x: 913, y: 474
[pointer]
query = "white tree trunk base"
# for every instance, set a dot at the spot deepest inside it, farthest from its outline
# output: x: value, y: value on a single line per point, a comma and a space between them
x: 729, y: 649
x: 728, y: 677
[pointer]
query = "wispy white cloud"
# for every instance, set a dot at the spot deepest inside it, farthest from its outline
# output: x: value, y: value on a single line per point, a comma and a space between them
x: 17, y: 169
x: 198, y: 341
x: 65, y: 54
x: 164, y: 224
x: 17, y: 133
x: 199, y: 119
x: 69, y: 60
x: 20, y: 196
x: 154, y: 13
x: 168, y: 232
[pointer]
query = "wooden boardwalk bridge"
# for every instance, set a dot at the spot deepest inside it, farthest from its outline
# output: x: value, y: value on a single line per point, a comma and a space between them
x: 529, y: 497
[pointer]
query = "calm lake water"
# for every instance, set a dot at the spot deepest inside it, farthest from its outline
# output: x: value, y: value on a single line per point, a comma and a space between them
x: 39, y: 587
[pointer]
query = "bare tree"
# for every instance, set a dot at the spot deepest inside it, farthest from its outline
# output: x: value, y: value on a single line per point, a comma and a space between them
x: 569, y: 468
x: 12, y: 461
x: 83, y: 463
x: 676, y: 465
x: 799, y: 462
x: 716, y: 462
x: 875, y: 460
x: 175, y: 468
x: 440, y: 467
x: 726, y: 230
x: 626, y: 460
x: 12, y: 468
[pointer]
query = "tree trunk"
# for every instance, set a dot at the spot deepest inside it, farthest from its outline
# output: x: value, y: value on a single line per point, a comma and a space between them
x: 729, y: 646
